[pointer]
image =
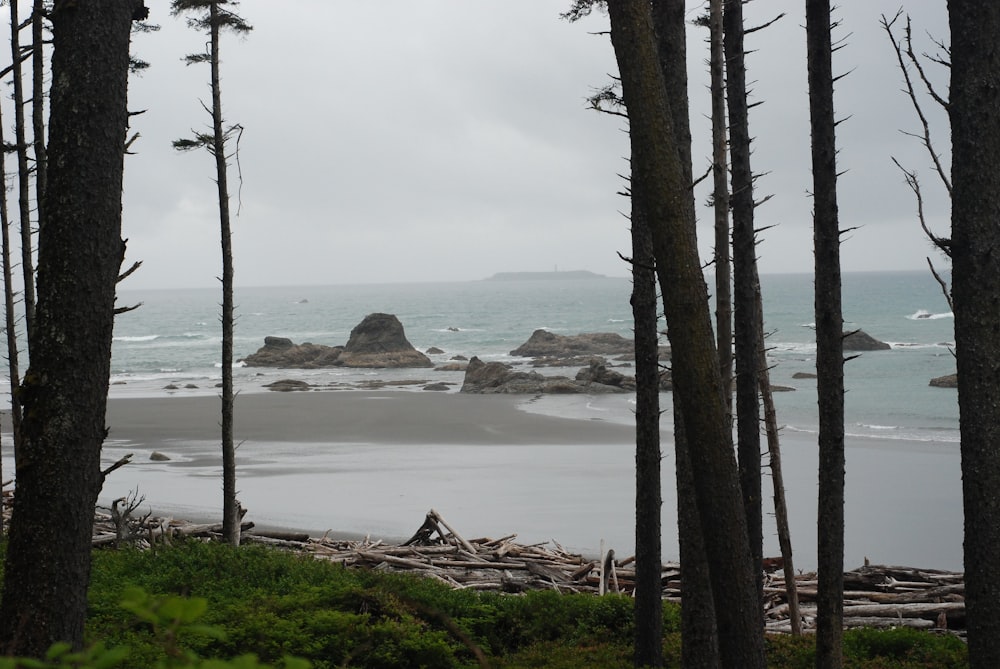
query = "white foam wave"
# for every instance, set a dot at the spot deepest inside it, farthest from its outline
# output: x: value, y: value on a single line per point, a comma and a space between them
x: 924, y: 315
x: 915, y: 346
x: 139, y: 338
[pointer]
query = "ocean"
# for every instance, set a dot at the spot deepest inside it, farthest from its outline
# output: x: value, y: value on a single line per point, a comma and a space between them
x: 903, y: 467
x: 171, y: 344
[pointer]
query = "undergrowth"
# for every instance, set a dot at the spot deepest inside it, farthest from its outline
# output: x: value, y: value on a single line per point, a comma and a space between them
x: 207, y: 605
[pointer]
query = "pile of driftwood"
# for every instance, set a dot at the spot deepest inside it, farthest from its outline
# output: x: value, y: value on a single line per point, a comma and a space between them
x: 874, y: 596
x: 877, y: 596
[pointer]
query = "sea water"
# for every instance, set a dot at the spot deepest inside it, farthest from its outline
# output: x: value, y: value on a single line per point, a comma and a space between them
x: 172, y: 342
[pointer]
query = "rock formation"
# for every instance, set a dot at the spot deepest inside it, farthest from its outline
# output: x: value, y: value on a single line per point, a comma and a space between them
x: 859, y: 340
x: 378, y: 341
x: 497, y: 378
x: 543, y: 343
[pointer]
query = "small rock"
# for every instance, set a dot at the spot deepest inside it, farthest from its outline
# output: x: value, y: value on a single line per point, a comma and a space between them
x: 434, y: 350
x: 436, y: 386
x: 156, y: 456
x: 287, y: 385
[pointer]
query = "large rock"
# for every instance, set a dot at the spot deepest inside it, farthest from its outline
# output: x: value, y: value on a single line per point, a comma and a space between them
x: 946, y: 381
x: 859, y: 340
x: 497, y: 378
x: 543, y: 343
x: 282, y: 352
x: 378, y: 341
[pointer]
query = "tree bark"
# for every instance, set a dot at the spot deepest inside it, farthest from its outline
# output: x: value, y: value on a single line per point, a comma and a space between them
x: 747, y: 319
x: 829, y: 340
x: 659, y: 184
x: 700, y: 644
x: 648, y: 493
x: 975, y: 130
x: 64, y: 393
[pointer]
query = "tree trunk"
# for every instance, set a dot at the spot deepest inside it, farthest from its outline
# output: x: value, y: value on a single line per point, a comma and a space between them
x: 23, y: 178
x: 648, y: 493
x: 829, y: 340
x: 64, y: 393
x: 699, y: 634
x: 777, y: 477
x: 700, y: 644
x: 230, y: 506
x: 665, y: 195
x: 747, y: 320
x: 720, y: 201
x: 38, y: 106
x: 975, y: 131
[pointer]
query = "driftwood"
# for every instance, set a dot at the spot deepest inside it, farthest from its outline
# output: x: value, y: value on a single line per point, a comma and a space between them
x: 875, y: 596
x: 878, y: 596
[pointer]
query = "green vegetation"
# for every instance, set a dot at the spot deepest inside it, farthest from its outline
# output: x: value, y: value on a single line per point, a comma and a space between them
x: 257, y: 608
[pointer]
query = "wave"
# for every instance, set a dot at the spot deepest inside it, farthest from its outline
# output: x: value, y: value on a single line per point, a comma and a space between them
x: 924, y: 315
x: 889, y: 433
x: 133, y: 339
x: 948, y: 345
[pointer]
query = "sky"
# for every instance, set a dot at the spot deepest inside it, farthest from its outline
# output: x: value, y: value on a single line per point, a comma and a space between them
x: 447, y: 140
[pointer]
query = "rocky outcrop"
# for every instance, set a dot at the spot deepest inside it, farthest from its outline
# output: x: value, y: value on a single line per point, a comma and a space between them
x: 282, y: 352
x: 598, y: 372
x: 947, y: 381
x: 378, y: 341
x: 859, y: 340
x: 543, y: 343
x: 497, y: 378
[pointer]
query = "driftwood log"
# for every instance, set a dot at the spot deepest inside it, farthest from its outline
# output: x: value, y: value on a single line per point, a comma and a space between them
x: 874, y: 596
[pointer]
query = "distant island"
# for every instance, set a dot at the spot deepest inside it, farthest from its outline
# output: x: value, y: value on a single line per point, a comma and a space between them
x: 544, y: 276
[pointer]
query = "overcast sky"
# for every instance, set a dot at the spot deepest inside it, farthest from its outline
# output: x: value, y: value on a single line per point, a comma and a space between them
x: 447, y: 140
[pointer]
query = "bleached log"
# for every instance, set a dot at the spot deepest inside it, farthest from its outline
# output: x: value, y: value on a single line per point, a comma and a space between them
x: 916, y: 610
x: 888, y: 623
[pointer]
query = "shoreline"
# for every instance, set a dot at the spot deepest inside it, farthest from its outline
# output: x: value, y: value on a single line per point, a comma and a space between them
x: 363, y: 463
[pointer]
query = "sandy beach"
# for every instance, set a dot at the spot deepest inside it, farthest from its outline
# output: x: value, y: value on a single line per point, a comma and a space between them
x: 359, y: 463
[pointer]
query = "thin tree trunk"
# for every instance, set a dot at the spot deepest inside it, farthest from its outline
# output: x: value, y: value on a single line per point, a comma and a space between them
x: 648, y: 494
x: 23, y: 178
x: 829, y: 341
x: 230, y: 505
x: 777, y: 478
x: 64, y: 392
x: 975, y: 131
x: 745, y: 299
x: 658, y: 179
x: 720, y: 201
x: 38, y: 106
x: 10, y: 321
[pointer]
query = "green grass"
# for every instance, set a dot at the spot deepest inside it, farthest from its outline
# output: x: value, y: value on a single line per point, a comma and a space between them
x: 274, y: 604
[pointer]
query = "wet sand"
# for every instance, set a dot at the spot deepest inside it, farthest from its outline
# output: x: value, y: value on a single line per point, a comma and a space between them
x: 374, y: 462
x: 382, y: 417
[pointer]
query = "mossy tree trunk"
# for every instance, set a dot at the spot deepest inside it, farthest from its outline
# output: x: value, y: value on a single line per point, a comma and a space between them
x: 64, y: 393
x: 975, y: 132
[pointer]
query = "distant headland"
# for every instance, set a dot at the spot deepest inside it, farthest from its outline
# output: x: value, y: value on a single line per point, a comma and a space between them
x: 544, y: 276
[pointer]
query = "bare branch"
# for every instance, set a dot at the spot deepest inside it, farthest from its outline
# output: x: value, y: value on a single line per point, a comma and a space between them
x: 941, y: 282
x: 925, y: 138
